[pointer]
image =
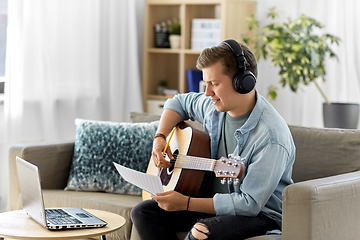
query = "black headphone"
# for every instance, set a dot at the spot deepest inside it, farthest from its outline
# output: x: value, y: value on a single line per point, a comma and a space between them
x: 244, y: 81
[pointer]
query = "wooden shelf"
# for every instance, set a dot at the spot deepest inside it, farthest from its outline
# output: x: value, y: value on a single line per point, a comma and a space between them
x: 169, y: 50
x: 163, y: 50
x: 171, y: 64
x: 157, y: 97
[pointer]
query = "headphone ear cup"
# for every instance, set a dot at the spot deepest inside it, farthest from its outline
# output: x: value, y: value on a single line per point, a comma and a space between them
x: 237, y: 82
x: 244, y: 83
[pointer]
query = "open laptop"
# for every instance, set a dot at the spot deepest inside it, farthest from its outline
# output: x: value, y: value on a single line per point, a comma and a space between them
x: 33, y: 203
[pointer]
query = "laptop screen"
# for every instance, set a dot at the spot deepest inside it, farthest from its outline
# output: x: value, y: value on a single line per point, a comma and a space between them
x: 31, y: 194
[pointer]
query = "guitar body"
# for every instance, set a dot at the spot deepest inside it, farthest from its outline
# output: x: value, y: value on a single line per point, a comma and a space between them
x: 190, y: 141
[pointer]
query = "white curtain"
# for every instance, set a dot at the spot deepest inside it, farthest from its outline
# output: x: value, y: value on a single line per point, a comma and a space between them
x: 342, y: 84
x: 69, y: 59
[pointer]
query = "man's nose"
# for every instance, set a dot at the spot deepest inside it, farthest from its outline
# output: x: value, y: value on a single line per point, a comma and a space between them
x: 208, y: 91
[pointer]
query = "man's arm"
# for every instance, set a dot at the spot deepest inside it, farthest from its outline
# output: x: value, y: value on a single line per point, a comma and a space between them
x: 169, y: 119
x: 175, y: 201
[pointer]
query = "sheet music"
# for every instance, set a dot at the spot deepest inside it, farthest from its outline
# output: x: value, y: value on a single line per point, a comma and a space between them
x: 147, y: 182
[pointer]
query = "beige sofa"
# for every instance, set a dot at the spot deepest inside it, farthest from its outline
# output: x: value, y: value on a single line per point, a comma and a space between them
x: 324, y: 203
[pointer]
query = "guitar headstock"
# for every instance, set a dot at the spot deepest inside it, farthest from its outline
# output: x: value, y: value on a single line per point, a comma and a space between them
x: 227, y: 168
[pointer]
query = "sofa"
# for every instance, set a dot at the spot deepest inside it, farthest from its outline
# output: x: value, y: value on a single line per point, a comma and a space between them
x: 323, y: 203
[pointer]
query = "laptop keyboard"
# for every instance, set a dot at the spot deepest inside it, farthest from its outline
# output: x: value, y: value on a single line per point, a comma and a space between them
x: 60, y: 217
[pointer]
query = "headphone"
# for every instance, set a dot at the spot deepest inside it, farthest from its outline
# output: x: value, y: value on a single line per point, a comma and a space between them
x: 243, y: 81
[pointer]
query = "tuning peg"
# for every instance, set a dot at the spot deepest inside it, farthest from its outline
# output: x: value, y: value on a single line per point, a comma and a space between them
x: 223, y: 181
x: 236, y: 182
x: 229, y: 181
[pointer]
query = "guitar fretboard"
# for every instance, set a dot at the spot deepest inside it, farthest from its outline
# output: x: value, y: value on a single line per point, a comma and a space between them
x: 197, y: 163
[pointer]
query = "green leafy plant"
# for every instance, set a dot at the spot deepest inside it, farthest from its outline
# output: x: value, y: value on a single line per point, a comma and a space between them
x: 294, y: 47
x: 163, y: 82
x: 175, y: 28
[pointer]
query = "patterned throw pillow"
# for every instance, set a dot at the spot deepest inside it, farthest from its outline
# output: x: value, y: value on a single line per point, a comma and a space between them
x: 98, y: 144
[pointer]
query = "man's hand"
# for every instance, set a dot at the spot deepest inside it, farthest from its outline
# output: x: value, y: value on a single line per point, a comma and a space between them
x: 169, y: 119
x: 175, y: 201
x: 171, y: 201
x: 157, y: 153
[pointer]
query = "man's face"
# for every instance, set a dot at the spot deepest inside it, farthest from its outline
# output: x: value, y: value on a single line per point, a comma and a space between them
x: 220, y: 88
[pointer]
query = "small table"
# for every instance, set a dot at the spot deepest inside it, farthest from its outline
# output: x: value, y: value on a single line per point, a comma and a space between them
x: 18, y: 225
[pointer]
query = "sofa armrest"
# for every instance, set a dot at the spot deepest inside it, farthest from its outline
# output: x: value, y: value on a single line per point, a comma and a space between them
x: 325, y: 208
x: 54, y: 162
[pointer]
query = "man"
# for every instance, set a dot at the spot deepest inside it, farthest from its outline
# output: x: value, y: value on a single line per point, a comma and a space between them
x: 240, y: 122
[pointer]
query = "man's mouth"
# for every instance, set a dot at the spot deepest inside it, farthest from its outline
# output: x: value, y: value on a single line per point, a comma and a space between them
x: 215, y: 101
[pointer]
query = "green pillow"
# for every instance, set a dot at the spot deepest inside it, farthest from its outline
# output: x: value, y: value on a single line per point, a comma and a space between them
x: 98, y: 144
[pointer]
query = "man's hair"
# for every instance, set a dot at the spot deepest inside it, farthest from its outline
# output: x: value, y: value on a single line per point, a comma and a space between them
x: 212, y: 55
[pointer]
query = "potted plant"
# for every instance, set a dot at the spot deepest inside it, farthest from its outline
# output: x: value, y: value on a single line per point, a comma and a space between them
x: 175, y: 34
x: 161, y: 86
x: 300, y: 53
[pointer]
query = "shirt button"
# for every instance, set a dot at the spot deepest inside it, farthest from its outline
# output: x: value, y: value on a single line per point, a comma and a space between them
x: 216, y: 114
x: 215, y: 138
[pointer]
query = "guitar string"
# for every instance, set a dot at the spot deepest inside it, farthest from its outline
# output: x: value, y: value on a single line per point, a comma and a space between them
x: 195, y: 162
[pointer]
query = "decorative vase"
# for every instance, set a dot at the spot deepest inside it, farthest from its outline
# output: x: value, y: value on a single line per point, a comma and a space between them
x: 160, y: 90
x: 341, y: 115
x: 174, y: 41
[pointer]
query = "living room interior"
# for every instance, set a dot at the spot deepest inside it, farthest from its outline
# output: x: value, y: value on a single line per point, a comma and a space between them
x: 68, y: 60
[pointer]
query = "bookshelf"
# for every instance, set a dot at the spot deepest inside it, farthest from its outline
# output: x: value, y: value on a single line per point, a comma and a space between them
x: 171, y: 64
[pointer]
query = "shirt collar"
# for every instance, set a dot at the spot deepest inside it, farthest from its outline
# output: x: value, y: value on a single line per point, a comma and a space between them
x: 255, y: 115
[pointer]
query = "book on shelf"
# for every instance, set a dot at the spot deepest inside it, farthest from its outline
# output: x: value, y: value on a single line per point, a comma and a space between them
x: 193, y: 79
x: 205, y: 32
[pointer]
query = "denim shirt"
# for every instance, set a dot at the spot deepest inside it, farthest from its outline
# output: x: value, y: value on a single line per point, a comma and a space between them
x: 266, y: 143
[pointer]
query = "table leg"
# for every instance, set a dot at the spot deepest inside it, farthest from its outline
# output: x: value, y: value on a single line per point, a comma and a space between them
x: 103, y: 237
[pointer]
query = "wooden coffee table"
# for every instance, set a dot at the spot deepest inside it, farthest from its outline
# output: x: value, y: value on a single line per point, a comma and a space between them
x: 17, y: 225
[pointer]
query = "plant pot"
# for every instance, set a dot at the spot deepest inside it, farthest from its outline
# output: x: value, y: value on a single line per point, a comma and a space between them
x: 174, y: 41
x: 160, y: 90
x: 341, y: 115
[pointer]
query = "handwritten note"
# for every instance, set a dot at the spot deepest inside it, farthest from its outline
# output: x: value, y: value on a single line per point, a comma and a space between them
x: 147, y: 182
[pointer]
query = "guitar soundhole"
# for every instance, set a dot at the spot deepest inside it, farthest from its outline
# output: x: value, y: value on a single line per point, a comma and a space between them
x: 166, y: 173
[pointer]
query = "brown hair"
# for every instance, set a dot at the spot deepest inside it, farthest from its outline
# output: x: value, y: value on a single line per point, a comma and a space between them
x: 222, y: 52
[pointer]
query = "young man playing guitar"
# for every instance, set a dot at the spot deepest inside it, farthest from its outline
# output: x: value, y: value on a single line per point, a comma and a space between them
x: 240, y: 122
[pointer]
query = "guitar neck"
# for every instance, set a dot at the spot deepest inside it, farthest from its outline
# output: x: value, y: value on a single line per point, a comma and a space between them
x: 196, y: 163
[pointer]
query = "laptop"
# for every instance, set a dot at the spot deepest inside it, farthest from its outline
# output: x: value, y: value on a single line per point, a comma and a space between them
x: 33, y: 203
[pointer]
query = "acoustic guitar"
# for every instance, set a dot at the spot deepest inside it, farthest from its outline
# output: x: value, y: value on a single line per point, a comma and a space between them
x: 191, y: 150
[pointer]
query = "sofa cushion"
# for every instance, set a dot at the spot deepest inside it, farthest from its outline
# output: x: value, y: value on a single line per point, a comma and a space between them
x: 324, y: 152
x: 98, y: 144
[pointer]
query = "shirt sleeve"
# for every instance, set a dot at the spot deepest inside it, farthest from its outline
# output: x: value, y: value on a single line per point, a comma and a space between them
x: 263, y: 175
x: 189, y: 105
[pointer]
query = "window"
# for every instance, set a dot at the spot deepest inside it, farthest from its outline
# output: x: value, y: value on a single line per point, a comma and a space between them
x: 3, y: 27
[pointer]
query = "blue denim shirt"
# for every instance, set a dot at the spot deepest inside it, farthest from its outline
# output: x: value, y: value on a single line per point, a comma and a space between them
x: 266, y: 143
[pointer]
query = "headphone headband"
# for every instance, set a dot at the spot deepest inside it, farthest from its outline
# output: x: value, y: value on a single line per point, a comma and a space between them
x: 238, y: 53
